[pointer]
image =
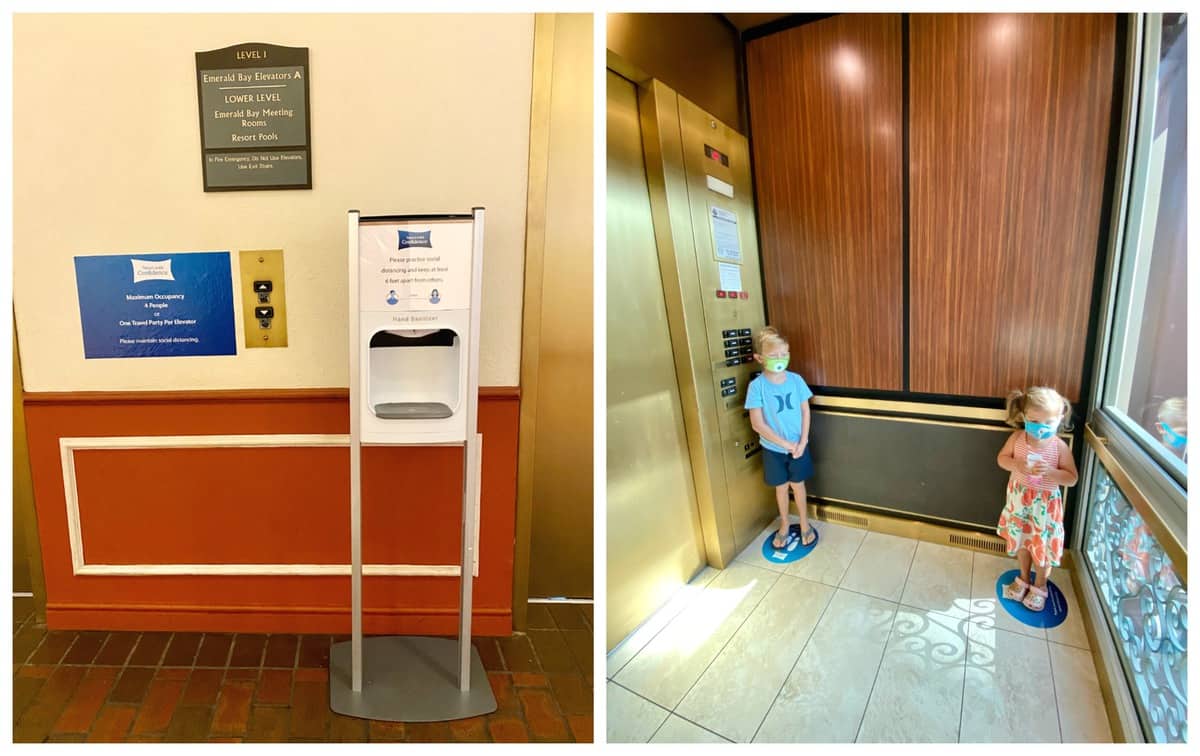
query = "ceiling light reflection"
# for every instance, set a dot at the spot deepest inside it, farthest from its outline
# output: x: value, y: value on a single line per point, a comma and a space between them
x: 849, y: 66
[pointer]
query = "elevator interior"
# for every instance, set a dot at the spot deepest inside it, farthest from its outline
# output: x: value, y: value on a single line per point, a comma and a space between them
x: 949, y: 207
x: 910, y: 309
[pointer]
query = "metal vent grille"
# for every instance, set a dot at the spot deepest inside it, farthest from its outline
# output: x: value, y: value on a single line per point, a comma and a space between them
x: 855, y: 520
x: 996, y: 547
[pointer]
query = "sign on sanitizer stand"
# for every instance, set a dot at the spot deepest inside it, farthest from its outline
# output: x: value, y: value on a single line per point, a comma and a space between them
x: 414, y: 381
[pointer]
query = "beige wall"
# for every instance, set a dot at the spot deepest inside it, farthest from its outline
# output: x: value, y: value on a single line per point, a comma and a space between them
x: 408, y: 113
x: 696, y: 54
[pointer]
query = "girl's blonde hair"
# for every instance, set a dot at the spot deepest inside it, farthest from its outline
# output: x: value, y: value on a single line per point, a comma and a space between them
x: 1041, y: 397
x: 767, y: 339
x: 1173, y: 412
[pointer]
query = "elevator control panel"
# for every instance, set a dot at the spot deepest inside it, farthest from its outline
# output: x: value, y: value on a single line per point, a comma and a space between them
x: 705, y: 208
x: 264, y: 311
x: 716, y: 161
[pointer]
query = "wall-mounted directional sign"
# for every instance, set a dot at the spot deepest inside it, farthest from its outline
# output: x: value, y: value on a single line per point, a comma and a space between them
x: 254, y: 124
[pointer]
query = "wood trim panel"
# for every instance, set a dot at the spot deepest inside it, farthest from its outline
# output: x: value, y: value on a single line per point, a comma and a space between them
x: 826, y: 111
x: 221, y: 395
x: 1009, y: 135
x: 127, y: 494
x: 415, y: 495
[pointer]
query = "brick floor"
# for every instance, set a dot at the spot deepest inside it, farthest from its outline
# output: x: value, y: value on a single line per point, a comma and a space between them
x: 97, y: 686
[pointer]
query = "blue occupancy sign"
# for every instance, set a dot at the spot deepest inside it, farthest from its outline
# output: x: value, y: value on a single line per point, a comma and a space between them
x: 1052, y: 614
x: 156, y: 305
x: 792, y: 549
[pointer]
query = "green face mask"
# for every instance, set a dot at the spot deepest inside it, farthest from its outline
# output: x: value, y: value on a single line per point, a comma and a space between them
x: 776, y: 364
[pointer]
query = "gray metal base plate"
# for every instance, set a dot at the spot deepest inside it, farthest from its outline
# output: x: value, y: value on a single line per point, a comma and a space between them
x: 408, y: 679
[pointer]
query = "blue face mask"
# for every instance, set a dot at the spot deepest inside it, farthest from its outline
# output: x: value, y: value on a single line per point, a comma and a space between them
x: 1040, y: 431
x: 1172, y: 438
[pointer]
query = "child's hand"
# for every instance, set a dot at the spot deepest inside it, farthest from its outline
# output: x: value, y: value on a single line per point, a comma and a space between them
x: 1040, y: 468
x: 798, y: 449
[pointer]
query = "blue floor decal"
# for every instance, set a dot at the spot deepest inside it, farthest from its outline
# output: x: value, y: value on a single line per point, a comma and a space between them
x: 793, y: 549
x: 1052, y: 615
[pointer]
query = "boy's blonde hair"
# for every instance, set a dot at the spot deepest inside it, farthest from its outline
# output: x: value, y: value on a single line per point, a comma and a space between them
x: 767, y: 339
x: 1041, y: 397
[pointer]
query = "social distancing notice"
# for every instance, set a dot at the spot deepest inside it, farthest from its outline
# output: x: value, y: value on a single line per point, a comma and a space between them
x: 156, y: 305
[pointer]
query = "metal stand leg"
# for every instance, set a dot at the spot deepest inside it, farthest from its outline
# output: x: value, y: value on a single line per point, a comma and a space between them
x: 472, y: 459
x: 356, y: 630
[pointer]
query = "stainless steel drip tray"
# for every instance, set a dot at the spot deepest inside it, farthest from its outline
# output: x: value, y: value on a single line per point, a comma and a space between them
x: 412, y: 411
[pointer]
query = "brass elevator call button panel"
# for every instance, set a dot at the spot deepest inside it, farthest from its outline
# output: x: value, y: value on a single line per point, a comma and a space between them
x: 264, y: 310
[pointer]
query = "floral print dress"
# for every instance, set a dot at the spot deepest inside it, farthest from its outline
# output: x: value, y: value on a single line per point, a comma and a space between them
x: 1033, y: 513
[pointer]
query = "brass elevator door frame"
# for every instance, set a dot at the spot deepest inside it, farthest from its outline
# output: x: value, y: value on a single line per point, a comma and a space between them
x: 27, y: 552
x: 556, y: 444
x: 654, y: 543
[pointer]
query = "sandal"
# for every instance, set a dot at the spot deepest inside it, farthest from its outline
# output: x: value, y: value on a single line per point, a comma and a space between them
x: 1016, y: 590
x: 1036, y: 600
x: 809, y: 532
x: 775, y: 541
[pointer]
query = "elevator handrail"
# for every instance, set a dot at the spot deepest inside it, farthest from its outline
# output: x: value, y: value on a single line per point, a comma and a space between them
x: 1171, y: 544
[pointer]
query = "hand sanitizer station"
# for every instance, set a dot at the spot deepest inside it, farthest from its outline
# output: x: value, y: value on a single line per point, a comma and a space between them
x: 414, y: 381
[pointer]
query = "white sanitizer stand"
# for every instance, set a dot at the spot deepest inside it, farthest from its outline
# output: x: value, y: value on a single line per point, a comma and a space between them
x: 414, y: 381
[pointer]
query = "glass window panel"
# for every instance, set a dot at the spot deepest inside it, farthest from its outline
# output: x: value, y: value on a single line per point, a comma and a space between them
x: 1145, y: 605
x: 1147, y: 381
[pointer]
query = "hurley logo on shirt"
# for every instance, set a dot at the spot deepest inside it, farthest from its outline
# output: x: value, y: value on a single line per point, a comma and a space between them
x: 785, y: 399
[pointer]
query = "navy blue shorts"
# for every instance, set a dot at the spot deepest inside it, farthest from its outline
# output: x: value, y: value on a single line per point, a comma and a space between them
x: 780, y: 468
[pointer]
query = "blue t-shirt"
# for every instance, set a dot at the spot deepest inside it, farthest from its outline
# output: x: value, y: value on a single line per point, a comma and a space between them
x: 780, y: 404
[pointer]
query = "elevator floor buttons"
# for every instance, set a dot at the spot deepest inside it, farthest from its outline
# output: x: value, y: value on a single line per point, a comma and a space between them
x: 793, y: 549
x: 1053, y: 613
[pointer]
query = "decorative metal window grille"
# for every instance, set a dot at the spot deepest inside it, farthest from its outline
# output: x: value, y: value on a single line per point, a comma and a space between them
x: 1146, y: 608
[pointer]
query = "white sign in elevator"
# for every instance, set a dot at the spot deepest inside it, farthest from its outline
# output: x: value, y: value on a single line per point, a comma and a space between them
x: 726, y: 243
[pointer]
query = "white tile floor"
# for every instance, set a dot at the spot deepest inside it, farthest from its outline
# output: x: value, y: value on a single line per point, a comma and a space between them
x: 870, y: 638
